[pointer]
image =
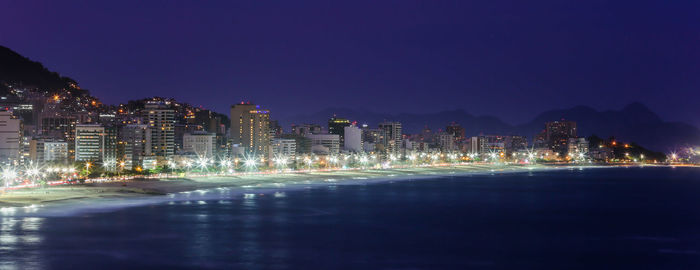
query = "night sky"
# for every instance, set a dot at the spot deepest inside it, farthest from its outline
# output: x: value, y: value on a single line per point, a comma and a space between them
x: 511, y: 59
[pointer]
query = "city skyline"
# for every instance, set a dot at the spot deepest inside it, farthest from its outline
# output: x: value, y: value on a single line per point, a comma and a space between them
x: 595, y: 65
x: 504, y: 134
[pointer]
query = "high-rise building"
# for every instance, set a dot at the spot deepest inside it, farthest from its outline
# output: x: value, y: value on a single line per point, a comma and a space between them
x: 10, y: 137
x: 578, y: 146
x: 337, y: 126
x: 48, y: 150
x: 324, y: 144
x: 353, y: 138
x: 392, y: 136
x: 304, y: 129
x: 111, y: 143
x: 275, y: 129
x: 301, y: 143
x: 284, y: 148
x: 457, y: 131
x: 200, y: 143
x: 558, y: 133
x: 61, y: 128
x: 515, y: 143
x: 426, y: 135
x: 488, y: 144
x: 89, y: 142
x: 446, y: 141
x: 161, y: 122
x: 55, y: 151
x: 250, y: 128
x: 134, y: 142
x: 181, y: 130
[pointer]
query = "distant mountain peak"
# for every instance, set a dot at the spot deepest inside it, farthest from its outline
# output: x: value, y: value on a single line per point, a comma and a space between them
x: 639, y: 112
x: 638, y: 108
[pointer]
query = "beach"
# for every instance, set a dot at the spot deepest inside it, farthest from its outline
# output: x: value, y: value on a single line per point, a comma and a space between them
x: 144, y: 187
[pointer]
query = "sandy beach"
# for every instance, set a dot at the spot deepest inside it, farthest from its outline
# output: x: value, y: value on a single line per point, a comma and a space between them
x: 161, y: 187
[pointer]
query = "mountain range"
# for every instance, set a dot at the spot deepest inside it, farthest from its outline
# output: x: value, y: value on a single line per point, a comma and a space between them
x: 633, y: 123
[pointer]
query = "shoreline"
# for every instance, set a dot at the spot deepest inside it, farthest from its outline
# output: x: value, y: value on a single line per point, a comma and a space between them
x: 143, y: 188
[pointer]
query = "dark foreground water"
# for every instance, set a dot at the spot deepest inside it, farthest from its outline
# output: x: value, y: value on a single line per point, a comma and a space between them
x: 635, y: 218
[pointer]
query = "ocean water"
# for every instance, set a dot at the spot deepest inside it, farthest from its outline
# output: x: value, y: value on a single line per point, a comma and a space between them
x: 612, y: 218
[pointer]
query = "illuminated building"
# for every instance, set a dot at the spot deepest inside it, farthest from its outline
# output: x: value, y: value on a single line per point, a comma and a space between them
x: 304, y: 129
x: 89, y: 142
x: 275, y: 129
x: 515, y: 143
x: 133, y: 142
x: 446, y: 141
x: 353, y: 139
x: 484, y: 145
x: 250, y: 128
x: 392, y: 136
x: 302, y: 144
x: 161, y: 123
x: 456, y: 131
x: 578, y: 146
x: 60, y: 128
x: 337, y: 126
x: 201, y: 144
x: 55, y: 151
x: 286, y: 148
x: 10, y: 137
x: 324, y: 143
x: 181, y: 130
x: 558, y: 133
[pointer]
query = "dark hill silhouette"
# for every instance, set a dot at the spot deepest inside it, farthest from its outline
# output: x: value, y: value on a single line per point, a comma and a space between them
x: 16, y: 69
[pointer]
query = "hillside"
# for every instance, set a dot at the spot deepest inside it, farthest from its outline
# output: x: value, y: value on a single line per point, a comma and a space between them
x: 19, y: 71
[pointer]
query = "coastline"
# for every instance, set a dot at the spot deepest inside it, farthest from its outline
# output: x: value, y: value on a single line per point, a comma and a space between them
x: 141, y: 188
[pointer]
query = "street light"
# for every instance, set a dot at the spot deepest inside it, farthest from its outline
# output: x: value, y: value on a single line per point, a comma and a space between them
x: 8, y: 174
x: 250, y: 163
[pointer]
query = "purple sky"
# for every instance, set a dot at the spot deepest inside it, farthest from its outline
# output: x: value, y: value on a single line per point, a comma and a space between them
x: 511, y: 59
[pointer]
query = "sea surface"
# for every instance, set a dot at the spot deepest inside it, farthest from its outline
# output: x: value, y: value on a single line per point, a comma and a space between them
x: 610, y: 218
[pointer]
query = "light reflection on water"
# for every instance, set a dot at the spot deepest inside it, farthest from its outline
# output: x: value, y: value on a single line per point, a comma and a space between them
x: 19, y: 240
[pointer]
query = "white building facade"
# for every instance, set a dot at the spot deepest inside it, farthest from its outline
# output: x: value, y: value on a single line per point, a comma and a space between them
x: 201, y: 144
x: 284, y: 148
x: 353, y: 139
x: 324, y: 144
x: 10, y: 137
